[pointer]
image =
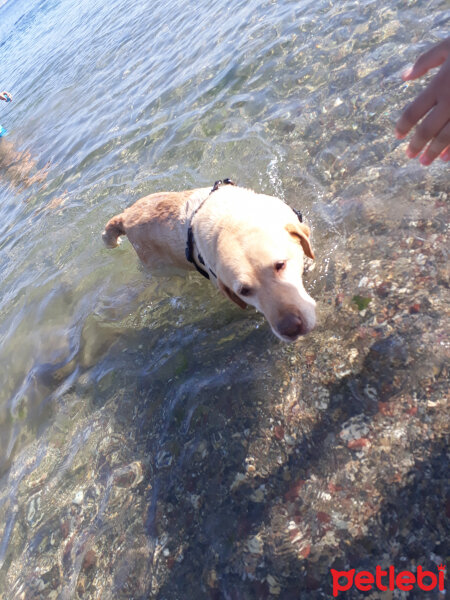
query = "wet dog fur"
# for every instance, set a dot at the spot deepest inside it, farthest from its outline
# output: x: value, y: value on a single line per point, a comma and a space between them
x: 251, y: 245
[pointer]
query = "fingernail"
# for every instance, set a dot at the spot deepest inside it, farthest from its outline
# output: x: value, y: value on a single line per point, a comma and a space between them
x: 399, y: 135
x: 407, y: 73
x: 445, y: 156
x: 410, y: 153
x: 425, y: 160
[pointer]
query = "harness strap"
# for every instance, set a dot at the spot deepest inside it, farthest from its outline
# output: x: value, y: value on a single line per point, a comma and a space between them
x: 190, y: 254
x: 219, y: 182
x: 189, y: 251
x: 299, y: 215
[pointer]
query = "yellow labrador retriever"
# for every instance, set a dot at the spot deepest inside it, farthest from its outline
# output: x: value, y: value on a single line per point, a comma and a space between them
x: 251, y: 246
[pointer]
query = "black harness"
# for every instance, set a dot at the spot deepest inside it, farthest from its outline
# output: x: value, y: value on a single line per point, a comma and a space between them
x: 190, y: 235
x: 189, y: 251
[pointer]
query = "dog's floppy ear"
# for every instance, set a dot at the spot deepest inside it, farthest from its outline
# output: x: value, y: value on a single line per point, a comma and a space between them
x: 301, y: 232
x: 231, y: 295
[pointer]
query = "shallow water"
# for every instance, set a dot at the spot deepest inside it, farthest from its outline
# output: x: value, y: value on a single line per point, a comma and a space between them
x: 156, y: 442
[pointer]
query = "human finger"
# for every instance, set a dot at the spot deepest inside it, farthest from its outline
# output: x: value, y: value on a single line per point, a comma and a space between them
x: 415, y: 111
x: 437, y: 146
x: 429, y: 60
x: 428, y: 129
x: 445, y: 156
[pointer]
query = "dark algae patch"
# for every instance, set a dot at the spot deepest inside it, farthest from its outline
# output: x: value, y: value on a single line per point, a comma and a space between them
x: 361, y: 302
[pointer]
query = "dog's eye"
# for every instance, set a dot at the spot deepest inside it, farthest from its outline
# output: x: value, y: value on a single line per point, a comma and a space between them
x: 245, y: 291
x: 280, y: 265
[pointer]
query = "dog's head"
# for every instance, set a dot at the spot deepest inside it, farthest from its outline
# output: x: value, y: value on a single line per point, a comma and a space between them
x: 259, y: 261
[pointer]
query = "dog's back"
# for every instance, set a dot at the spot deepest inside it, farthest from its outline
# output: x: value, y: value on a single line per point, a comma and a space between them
x: 156, y: 226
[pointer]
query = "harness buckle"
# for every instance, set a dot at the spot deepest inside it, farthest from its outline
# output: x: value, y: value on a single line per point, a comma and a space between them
x: 219, y: 182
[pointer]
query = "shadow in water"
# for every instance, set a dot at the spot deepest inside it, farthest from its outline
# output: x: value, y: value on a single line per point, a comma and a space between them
x: 186, y: 480
x: 330, y: 503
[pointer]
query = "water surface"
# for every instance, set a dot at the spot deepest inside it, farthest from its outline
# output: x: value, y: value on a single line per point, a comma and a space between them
x: 156, y: 442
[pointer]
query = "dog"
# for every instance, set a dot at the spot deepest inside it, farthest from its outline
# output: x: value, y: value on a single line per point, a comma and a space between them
x: 250, y: 246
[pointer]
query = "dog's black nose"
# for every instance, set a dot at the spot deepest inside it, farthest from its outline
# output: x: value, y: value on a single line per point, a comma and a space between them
x: 291, y: 326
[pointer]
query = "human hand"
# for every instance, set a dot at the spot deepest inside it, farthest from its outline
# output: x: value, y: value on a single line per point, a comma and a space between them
x: 6, y: 96
x: 434, y: 102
